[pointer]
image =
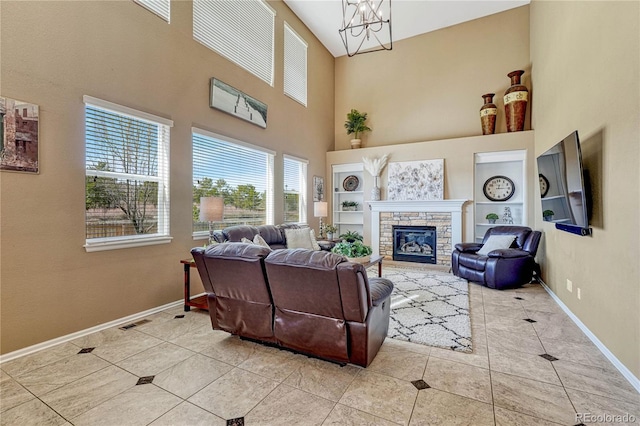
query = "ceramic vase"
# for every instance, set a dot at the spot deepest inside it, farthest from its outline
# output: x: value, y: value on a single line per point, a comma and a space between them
x: 356, y: 143
x: 375, y: 191
x: 488, y: 114
x: 515, y: 102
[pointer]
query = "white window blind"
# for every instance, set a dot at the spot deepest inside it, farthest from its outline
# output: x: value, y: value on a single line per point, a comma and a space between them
x: 127, y: 176
x: 162, y: 8
x: 295, y: 189
x: 295, y: 65
x: 239, y: 172
x: 239, y: 30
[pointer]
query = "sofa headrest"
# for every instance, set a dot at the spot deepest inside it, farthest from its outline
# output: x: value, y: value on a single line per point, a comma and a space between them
x: 237, y: 250
x: 238, y: 232
x: 521, y: 233
x: 323, y: 260
x: 271, y: 234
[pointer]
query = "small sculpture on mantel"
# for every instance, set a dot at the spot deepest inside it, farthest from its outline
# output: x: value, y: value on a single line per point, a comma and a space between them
x: 374, y: 167
x: 506, y: 216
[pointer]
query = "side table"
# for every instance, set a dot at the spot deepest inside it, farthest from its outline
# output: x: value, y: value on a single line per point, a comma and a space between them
x: 199, y: 302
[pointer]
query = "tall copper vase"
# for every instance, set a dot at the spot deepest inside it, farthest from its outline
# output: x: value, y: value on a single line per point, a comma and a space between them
x: 488, y: 114
x: 515, y: 102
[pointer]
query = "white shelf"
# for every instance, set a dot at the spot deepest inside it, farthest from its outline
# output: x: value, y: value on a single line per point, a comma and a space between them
x: 555, y: 197
x: 347, y: 223
x: 348, y: 192
x: 352, y: 220
x: 347, y: 211
x: 497, y: 203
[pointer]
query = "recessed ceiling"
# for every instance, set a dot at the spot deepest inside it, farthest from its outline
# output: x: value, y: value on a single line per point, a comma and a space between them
x: 409, y: 17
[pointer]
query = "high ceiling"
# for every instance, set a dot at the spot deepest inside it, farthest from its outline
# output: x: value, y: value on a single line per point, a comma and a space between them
x: 409, y: 17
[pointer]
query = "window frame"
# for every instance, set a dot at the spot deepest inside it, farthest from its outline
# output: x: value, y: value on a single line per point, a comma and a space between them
x: 163, y: 179
x: 302, y: 200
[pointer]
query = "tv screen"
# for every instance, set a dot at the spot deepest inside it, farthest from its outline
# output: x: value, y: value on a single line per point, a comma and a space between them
x: 562, y: 187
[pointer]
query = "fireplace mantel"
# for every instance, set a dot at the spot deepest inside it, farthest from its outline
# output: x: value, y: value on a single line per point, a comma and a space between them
x: 436, y: 206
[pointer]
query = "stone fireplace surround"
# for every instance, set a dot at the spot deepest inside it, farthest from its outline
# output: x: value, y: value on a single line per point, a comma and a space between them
x: 445, y: 215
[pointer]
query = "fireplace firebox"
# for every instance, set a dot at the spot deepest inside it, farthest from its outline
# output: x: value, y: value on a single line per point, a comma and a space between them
x: 414, y: 244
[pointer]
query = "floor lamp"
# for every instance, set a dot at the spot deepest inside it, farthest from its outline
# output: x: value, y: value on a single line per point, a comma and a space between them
x: 320, y: 210
x: 211, y: 210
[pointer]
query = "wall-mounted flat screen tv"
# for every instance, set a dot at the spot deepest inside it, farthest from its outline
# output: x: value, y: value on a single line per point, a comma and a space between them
x: 562, y: 186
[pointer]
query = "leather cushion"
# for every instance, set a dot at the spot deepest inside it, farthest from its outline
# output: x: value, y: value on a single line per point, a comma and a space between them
x: 380, y: 289
x: 307, y: 258
x: 237, y: 233
x: 472, y: 261
x: 271, y: 234
x: 237, y: 250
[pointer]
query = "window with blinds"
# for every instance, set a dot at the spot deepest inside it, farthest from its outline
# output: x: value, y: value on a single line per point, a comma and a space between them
x: 241, y: 31
x: 295, y: 189
x: 239, y: 172
x: 162, y: 8
x: 295, y: 65
x: 127, y: 176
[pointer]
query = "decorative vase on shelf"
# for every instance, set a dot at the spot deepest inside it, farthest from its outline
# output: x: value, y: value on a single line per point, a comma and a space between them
x: 356, y: 143
x: 515, y: 102
x: 375, y: 191
x: 330, y: 236
x: 488, y: 114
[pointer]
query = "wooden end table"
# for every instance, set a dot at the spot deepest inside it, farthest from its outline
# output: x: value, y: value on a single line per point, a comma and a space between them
x: 372, y: 261
x: 199, y: 302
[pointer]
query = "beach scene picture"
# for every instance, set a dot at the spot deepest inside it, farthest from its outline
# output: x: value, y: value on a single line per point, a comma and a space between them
x: 232, y: 101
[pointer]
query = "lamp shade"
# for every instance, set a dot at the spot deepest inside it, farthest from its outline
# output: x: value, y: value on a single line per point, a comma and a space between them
x: 211, y: 209
x: 320, y: 209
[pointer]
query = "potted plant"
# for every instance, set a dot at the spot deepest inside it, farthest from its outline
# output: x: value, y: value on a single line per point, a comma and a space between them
x: 492, y: 217
x: 329, y: 230
x: 547, y: 215
x: 355, y: 124
x: 351, y: 236
x: 349, y: 206
x: 355, y: 251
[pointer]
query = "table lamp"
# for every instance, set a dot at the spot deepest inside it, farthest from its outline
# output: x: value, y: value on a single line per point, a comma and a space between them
x: 320, y: 210
x: 211, y: 210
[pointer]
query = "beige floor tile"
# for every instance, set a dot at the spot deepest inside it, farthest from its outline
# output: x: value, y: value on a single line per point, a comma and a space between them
x: 512, y: 325
x: 564, y: 329
x: 595, y: 409
x: 597, y: 380
x: 511, y: 418
x: 188, y: 414
x: 155, y: 360
x: 39, y: 359
x: 503, y: 311
x: 191, y: 375
x: 533, y: 398
x: 382, y: 396
x: 90, y: 391
x: 176, y: 327
x: 581, y: 353
x: 478, y: 358
x: 31, y: 413
x: 290, y: 406
x: 200, y: 338
x: 60, y: 373
x: 434, y: 407
x: 391, y: 345
x: 502, y: 339
x: 229, y: 349
x: 114, y: 344
x: 399, y: 364
x: 341, y: 415
x: 460, y: 379
x: 139, y: 405
x: 234, y: 394
x: 322, y: 378
x: 276, y: 364
x: 12, y: 394
x: 522, y: 364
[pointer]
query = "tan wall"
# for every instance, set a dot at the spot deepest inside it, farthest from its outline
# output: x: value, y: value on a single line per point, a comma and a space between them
x: 430, y: 87
x: 586, y: 68
x: 458, y: 155
x: 53, y: 53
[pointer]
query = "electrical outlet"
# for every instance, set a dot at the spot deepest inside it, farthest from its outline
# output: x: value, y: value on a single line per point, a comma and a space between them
x: 569, y: 285
x: 578, y: 293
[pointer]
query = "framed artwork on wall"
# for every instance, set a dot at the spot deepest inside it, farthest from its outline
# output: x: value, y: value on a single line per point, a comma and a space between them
x: 318, y: 188
x: 232, y: 101
x: 19, y: 136
x: 416, y: 180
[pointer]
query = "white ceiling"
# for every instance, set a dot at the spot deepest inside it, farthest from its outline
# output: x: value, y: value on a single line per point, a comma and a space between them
x: 409, y: 17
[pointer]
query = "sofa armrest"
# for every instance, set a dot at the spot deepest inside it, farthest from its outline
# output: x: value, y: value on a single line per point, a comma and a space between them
x: 379, y: 289
x: 508, y: 253
x: 468, y: 247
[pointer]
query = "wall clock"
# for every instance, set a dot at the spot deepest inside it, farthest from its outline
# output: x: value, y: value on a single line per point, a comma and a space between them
x: 544, y: 185
x: 499, y: 188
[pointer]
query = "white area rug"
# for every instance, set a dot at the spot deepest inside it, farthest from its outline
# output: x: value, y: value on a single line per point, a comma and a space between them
x: 429, y: 307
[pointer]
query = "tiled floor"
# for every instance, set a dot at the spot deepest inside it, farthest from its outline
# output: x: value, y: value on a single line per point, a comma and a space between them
x: 203, y: 377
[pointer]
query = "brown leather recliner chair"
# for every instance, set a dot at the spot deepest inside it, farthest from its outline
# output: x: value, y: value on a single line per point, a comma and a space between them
x: 237, y: 291
x: 326, y: 306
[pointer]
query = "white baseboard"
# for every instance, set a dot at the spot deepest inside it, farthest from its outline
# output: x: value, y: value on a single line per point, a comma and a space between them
x: 49, y: 343
x: 635, y: 382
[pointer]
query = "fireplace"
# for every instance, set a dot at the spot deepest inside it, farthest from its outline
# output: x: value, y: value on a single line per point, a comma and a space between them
x: 414, y: 244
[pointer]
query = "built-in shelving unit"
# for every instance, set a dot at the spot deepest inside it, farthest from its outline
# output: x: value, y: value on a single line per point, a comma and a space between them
x: 347, y: 220
x: 511, y: 164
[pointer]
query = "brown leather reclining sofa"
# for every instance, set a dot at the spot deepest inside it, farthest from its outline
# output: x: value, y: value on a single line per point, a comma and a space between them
x: 313, y: 302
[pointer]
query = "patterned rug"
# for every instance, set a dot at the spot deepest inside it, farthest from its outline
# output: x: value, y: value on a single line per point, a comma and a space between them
x: 429, y: 307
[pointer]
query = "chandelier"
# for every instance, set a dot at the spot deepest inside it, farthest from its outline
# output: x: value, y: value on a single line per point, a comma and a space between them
x: 364, y: 26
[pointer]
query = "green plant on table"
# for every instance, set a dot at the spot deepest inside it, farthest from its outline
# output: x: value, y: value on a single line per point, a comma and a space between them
x: 354, y: 249
x: 350, y: 204
x: 356, y: 123
x: 351, y: 236
x: 328, y: 228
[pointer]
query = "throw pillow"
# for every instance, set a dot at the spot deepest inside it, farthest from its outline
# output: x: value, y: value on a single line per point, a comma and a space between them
x: 298, y: 238
x: 260, y: 241
x: 246, y: 240
x: 496, y: 242
x: 314, y: 243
